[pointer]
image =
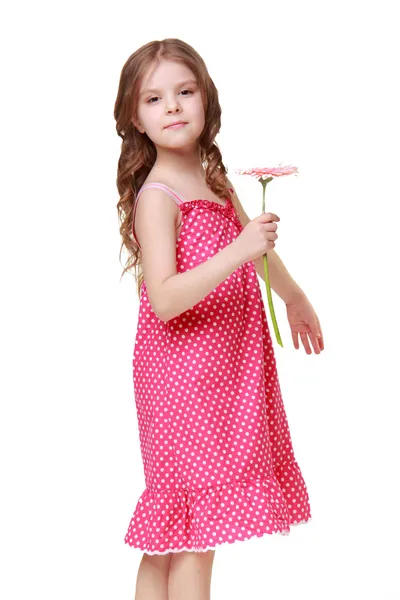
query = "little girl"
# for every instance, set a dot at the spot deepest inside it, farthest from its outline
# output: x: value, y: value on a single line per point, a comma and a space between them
x: 217, y: 454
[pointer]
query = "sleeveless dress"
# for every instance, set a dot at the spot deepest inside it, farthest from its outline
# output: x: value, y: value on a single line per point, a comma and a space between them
x: 217, y: 455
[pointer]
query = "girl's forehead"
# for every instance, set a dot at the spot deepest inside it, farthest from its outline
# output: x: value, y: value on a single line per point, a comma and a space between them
x: 167, y: 72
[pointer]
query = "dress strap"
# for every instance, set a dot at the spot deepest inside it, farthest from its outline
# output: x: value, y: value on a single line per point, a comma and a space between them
x: 178, y: 199
x: 161, y: 186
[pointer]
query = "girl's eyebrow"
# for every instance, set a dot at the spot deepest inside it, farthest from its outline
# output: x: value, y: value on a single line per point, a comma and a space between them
x: 177, y: 85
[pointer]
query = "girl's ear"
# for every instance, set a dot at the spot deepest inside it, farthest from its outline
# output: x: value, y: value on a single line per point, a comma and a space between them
x: 137, y: 125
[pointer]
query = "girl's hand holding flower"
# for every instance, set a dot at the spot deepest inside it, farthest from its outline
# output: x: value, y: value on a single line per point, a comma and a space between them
x: 258, y: 236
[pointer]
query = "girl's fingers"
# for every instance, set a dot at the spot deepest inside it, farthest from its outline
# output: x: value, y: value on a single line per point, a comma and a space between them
x: 306, y: 344
x: 315, y: 342
x: 295, y: 338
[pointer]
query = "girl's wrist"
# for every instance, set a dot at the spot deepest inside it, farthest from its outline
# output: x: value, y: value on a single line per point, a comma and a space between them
x: 294, y: 295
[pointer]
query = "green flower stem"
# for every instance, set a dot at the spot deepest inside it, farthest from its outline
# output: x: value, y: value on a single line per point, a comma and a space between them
x: 266, y: 273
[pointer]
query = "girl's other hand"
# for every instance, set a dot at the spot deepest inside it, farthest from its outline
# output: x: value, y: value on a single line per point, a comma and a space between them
x: 304, y: 321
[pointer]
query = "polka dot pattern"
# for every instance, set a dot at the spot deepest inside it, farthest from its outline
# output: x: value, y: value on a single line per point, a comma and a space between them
x: 217, y: 454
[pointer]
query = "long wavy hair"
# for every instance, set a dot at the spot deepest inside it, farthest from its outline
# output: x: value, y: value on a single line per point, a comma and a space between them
x: 138, y: 153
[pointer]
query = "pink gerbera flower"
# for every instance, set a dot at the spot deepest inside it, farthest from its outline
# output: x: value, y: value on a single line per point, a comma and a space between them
x: 264, y: 172
x: 264, y: 175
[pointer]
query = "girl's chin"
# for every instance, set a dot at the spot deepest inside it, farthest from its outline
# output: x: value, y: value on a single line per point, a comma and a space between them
x: 175, y: 144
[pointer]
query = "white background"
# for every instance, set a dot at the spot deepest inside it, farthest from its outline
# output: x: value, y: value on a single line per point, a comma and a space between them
x: 312, y: 84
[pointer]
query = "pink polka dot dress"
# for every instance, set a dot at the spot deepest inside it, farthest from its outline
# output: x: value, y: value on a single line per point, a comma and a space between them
x: 218, y: 460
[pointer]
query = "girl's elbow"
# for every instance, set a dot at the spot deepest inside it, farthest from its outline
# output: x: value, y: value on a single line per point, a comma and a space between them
x: 162, y: 311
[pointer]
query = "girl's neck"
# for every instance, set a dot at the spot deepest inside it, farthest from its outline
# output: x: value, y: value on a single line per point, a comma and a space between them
x: 188, y: 166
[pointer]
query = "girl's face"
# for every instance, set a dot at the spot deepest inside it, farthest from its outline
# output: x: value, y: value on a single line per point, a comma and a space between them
x: 167, y: 95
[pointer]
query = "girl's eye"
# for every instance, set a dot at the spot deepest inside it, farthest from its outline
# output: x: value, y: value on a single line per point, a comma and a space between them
x: 155, y: 97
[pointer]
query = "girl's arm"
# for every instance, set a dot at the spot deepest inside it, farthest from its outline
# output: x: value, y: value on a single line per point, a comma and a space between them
x: 280, y: 279
x: 171, y: 293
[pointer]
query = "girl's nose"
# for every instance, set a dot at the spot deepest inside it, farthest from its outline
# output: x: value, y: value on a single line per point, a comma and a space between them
x: 172, y: 106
